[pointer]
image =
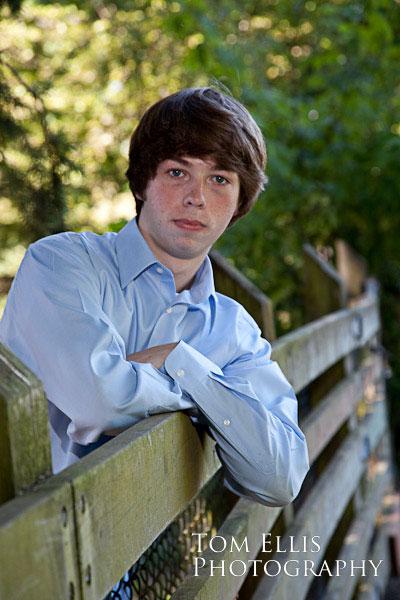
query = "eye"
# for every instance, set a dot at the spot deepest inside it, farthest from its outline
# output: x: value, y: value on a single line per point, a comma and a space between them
x: 220, y: 179
x: 175, y: 172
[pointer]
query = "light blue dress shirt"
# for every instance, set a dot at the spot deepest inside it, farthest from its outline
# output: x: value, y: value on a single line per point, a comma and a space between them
x: 82, y: 302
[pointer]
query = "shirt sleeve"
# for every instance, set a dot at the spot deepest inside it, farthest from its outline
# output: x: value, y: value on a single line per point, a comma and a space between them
x: 55, y: 324
x: 251, y: 410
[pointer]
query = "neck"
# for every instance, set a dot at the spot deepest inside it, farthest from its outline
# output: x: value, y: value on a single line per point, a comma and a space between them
x: 183, y: 269
x: 183, y: 274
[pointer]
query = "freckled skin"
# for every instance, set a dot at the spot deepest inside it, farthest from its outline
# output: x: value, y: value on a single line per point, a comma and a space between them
x: 186, y: 208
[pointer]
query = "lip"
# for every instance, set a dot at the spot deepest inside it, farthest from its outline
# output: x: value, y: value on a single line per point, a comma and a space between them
x: 189, y: 224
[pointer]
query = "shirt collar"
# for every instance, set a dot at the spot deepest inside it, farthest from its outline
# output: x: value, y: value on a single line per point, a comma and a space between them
x: 135, y: 256
x: 202, y: 287
x: 133, y: 253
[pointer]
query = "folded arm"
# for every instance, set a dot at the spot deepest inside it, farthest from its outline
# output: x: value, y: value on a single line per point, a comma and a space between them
x: 155, y: 355
x: 251, y: 410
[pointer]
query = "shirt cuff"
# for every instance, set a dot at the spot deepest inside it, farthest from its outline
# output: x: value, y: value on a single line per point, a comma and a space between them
x: 188, y: 367
x: 195, y: 373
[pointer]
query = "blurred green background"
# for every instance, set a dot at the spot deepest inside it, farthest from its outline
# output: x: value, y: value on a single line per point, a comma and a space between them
x: 320, y: 77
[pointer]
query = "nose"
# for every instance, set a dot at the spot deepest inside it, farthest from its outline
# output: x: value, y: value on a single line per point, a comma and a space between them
x: 194, y: 195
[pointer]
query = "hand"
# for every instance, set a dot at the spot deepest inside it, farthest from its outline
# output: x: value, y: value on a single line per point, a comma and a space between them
x: 155, y: 355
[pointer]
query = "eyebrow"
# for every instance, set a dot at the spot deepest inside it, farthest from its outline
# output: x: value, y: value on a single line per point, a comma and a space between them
x: 185, y: 162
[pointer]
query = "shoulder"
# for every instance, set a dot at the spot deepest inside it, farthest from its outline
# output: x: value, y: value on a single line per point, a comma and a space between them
x: 85, y: 249
x: 73, y: 257
x: 240, y: 332
x: 229, y: 309
x: 67, y: 261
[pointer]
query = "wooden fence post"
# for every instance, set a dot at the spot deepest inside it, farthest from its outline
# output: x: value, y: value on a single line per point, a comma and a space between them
x: 24, y: 431
x: 351, y: 267
x: 231, y: 282
x: 325, y: 292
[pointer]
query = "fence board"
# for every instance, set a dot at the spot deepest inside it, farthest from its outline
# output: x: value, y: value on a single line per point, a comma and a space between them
x: 246, y: 520
x: 374, y: 587
x: 358, y: 539
x: 24, y: 430
x: 38, y: 557
x: 324, y: 507
x: 310, y: 350
x: 120, y: 508
x: 329, y: 415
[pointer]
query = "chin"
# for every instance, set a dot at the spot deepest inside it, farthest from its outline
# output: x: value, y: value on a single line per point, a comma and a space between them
x: 188, y: 252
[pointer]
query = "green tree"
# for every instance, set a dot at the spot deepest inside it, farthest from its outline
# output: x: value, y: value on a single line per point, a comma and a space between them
x: 321, y: 78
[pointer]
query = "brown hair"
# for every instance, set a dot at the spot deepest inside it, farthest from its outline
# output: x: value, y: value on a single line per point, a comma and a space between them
x: 199, y: 122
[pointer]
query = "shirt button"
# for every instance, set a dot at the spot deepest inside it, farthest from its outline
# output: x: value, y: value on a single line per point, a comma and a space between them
x: 159, y: 270
x: 169, y: 309
x: 227, y: 422
x: 180, y: 372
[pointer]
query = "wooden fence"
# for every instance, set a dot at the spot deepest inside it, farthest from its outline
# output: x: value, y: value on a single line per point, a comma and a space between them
x: 73, y: 535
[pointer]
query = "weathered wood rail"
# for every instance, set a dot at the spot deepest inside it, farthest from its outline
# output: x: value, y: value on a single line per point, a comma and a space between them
x: 76, y: 533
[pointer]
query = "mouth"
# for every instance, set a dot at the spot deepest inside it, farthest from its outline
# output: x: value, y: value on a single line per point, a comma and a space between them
x: 189, y: 224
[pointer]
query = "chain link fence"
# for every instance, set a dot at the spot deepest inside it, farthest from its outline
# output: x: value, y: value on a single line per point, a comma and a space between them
x: 163, y: 566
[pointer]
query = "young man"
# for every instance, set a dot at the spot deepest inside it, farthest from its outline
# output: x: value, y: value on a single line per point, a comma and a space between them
x: 122, y: 326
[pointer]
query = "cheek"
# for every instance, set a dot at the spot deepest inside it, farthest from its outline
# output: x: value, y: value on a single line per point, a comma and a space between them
x: 161, y: 203
x: 225, y: 208
x: 165, y: 198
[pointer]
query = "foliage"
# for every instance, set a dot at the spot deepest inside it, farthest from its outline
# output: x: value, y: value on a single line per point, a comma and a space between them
x: 320, y: 77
